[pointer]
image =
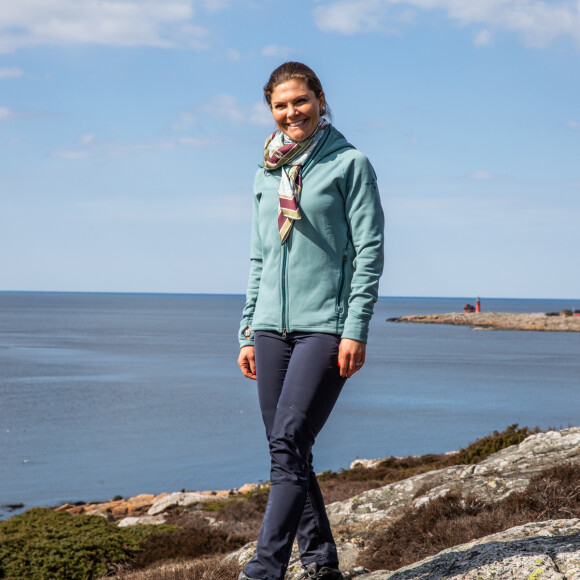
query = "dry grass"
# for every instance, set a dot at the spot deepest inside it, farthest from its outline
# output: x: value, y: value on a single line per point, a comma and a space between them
x: 452, y: 520
x: 202, y: 569
x: 193, y: 539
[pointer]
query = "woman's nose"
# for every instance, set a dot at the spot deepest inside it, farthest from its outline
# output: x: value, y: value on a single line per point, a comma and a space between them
x: 292, y: 111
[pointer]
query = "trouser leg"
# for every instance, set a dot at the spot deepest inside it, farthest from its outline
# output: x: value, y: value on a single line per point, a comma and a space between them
x: 298, y: 384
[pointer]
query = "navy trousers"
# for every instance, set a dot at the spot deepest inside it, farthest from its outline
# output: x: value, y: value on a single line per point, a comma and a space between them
x: 298, y: 384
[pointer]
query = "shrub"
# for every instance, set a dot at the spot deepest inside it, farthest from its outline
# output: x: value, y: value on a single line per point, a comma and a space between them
x: 195, y: 539
x: 42, y: 544
x: 486, y: 446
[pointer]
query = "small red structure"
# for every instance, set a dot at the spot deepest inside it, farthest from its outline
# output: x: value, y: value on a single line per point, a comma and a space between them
x: 468, y: 309
x: 576, y: 313
x: 478, y: 305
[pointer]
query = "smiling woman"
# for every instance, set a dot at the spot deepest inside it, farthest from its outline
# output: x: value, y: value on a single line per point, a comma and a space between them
x: 317, y: 212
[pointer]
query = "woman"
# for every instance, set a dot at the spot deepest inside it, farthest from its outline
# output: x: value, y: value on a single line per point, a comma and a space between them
x: 316, y: 259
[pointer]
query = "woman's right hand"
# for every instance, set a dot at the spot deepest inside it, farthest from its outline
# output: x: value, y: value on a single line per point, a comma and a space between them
x: 247, y: 362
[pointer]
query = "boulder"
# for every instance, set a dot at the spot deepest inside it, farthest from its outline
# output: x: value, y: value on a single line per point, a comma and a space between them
x: 536, y: 551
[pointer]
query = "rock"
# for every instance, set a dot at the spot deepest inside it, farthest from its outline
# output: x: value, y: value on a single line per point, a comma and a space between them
x: 493, y: 479
x: 115, y: 510
x: 183, y: 499
x: 536, y: 551
x: 143, y: 520
x: 249, y: 488
x: 365, y: 463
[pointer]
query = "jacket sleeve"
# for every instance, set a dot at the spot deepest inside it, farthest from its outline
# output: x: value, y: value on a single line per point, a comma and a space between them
x: 254, y: 281
x: 366, y: 222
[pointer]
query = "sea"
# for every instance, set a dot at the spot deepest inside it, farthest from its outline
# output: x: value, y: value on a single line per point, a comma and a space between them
x: 105, y: 395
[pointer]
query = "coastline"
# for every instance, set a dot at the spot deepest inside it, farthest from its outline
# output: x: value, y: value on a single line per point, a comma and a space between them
x: 498, y: 321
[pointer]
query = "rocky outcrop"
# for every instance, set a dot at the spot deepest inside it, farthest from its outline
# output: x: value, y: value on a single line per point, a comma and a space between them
x: 493, y: 479
x: 498, y: 321
x: 536, y: 551
x: 550, y: 550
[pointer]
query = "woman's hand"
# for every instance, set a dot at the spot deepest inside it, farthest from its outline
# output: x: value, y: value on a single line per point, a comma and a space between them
x: 247, y: 362
x: 351, y: 356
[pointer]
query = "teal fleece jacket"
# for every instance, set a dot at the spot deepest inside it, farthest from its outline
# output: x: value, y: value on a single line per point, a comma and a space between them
x: 325, y: 278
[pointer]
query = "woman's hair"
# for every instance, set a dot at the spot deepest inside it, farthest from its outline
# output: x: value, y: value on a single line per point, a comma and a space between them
x: 295, y: 70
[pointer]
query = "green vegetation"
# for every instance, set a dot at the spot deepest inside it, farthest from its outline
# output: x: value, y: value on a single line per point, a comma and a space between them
x: 42, y: 544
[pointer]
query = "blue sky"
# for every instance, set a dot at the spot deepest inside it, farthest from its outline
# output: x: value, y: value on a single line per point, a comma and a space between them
x: 130, y: 131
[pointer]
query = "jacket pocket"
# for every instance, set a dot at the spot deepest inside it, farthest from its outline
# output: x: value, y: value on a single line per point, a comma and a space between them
x: 339, y: 297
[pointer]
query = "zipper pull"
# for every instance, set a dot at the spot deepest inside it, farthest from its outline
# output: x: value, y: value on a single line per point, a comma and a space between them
x: 284, y: 333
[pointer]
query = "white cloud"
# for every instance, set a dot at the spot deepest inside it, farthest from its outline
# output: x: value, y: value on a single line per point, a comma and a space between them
x: 70, y: 154
x: 483, y: 38
x: 10, y: 73
x: 27, y: 23
x: 87, y: 139
x: 537, y: 22
x: 277, y: 51
x: 351, y: 16
x: 233, y: 54
x: 573, y: 125
x: 197, y: 142
x: 215, y: 5
x: 6, y: 113
x: 482, y: 175
x: 227, y: 110
x: 231, y: 207
x: 21, y: 114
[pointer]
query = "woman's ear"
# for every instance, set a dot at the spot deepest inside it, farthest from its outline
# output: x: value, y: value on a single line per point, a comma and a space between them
x: 322, y: 102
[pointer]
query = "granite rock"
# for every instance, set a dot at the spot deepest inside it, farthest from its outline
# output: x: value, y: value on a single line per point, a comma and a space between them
x: 535, y: 551
x: 493, y: 479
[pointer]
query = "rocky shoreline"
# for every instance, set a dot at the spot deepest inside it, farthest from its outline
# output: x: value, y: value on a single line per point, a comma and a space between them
x: 537, y: 550
x: 498, y: 321
x: 534, y: 546
x: 147, y: 508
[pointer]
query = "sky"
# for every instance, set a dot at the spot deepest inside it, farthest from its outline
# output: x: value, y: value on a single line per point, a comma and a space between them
x: 130, y: 132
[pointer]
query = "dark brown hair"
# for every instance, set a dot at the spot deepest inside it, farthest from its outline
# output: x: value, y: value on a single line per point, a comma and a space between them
x: 295, y: 70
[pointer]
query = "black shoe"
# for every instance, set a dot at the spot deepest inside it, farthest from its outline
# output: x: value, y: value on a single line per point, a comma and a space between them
x: 315, y: 571
x: 243, y: 576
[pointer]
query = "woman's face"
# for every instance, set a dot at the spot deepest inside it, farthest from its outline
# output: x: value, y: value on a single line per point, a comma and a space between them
x: 296, y: 109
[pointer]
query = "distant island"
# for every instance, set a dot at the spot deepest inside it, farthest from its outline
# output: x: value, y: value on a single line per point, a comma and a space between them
x: 553, y: 322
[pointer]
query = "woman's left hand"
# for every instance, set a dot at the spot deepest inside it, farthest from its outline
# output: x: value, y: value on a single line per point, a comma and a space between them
x: 351, y: 356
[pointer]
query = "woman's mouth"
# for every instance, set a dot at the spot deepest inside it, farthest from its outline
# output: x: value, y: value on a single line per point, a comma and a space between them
x: 297, y: 123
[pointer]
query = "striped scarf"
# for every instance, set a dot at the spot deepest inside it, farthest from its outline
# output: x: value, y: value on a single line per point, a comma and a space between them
x: 281, y: 151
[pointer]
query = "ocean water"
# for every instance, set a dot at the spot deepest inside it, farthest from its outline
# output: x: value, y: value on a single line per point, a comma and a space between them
x: 121, y: 394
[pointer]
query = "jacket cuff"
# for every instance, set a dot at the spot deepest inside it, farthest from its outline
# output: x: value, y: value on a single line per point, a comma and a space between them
x: 246, y: 334
x: 356, y: 329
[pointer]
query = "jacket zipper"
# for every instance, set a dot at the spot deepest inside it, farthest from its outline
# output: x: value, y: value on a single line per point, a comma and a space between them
x: 284, y: 266
x: 285, y: 254
x: 341, y: 284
